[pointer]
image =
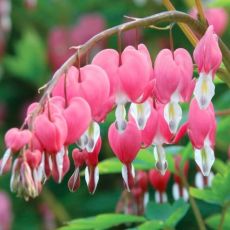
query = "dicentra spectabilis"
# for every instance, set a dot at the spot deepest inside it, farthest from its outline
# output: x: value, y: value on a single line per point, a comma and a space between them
x: 15, y: 140
x: 178, y: 189
x: 159, y: 183
x: 125, y: 144
x: 124, y: 71
x: 157, y: 133
x: 202, y: 131
x: 173, y: 75
x: 208, y: 57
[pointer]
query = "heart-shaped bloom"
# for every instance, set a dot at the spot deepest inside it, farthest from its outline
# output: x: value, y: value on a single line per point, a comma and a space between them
x: 201, y: 131
x: 90, y: 83
x: 157, y: 132
x: 159, y: 183
x: 15, y: 140
x: 125, y: 145
x: 208, y: 57
x: 173, y: 75
x: 51, y: 132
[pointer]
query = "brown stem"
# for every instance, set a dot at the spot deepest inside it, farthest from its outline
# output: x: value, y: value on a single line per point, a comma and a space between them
x: 200, y: 11
x: 225, y: 112
x: 223, y: 214
x: 171, y: 16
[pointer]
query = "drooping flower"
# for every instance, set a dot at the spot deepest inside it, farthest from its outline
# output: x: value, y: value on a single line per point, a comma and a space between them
x: 15, y: 140
x: 208, y: 57
x: 157, y: 133
x: 124, y: 71
x: 201, y: 131
x: 173, y: 75
x: 178, y: 189
x: 159, y: 183
x: 125, y: 145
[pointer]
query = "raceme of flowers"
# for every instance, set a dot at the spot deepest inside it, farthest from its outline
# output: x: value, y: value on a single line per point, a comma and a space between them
x: 147, y: 108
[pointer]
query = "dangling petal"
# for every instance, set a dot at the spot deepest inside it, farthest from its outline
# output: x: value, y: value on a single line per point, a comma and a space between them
x: 210, y: 178
x: 161, y: 163
x: 128, y: 174
x: 74, y: 181
x: 5, y: 159
x: 185, y: 194
x: 176, y: 191
x: 173, y: 115
x: 141, y: 113
x: 205, y: 158
x: 146, y: 199
x: 93, y: 134
x: 204, y: 90
x: 120, y: 114
x: 92, y: 178
x: 157, y: 197
x: 59, y: 163
x: 41, y: 169
x: 199, y: 180
x: 164, y: 197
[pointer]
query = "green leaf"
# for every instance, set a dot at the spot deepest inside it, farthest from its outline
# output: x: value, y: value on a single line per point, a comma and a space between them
x: 223, y: 133
x: 153, y: 225
x: 103, y: 221
x: 170, y: 215
x: 29, y: 63
x: 218, y: 193
x: 220, y: 166
x: 214, y: 220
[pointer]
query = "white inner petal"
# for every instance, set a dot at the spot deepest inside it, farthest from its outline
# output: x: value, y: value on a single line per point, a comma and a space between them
x: 173, y: 115
x: 120, y: 114
x: 59, y: 162
x: 176, y: 191
x: 160, y: 158
x: 146, y: 199
x: 164, y: 197
x: 185, y: 194
x: 205, y: 158
x: 92, y: 136
x: 199, y: 180
x: 157, y: 197
x: 87, y: 175
x: 140, y: 113
x: 210, y: 178
x: 5, y: 158
x: 96, y: 177
x: 204, y: 90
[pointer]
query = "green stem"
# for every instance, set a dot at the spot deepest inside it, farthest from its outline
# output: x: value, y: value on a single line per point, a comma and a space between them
x: 58, y: 210
x: 223, y: 214
x: 195, y: 209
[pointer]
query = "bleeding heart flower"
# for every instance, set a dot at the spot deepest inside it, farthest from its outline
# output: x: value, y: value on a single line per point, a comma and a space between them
x: 92, y: 171
x: 202, y: 181
x: 157, y: 133
x: 15, y: 140
x: 79, y: 158
x: 208, y: 57
x: 201, y: 131
x: 159, y: 182
x: 51, y: 132
x: 125, y: 145
x: 174, y: 83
